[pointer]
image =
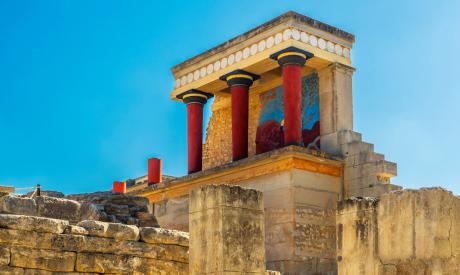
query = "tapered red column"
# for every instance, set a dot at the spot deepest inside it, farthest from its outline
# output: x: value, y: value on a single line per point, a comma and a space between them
x: 292, y: 60
x: 195, y: 100
x: 239, y: 82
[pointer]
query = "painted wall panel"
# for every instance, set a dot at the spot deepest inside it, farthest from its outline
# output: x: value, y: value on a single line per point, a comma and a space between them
x: 270, y: 126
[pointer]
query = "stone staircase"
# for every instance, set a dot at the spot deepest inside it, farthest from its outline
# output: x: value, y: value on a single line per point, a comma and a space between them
x: 366, y: 173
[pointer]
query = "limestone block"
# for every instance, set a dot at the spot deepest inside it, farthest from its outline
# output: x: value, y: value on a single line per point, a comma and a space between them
x: 107, y: 263
x: 28, y: 271
x: 17, y: 205
x: 9, y: 270
x: 271, y: 272
x: 28, y: 223
x: 356, y: 148
x: 348, y: 136
x: 58, y: 208
x: 69, y: 242
x: 226, y: 230
x: 165, y: 236
x: 75, y: 230
x: 122, y: 232
x: 95, y: 228
x: 4, y: 256
x: 42, y: 259
x: 213, y: 196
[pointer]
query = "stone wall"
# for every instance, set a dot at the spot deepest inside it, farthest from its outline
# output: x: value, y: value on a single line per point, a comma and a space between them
x: 101, y: 206
x: 35, y: 245
x: 403, y: 232
x: 217, y: 149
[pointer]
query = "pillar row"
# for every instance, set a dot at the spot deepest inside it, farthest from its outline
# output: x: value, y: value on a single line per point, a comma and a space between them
x: 239, y: 82
x: 194, y: 99
x: 292, y: 60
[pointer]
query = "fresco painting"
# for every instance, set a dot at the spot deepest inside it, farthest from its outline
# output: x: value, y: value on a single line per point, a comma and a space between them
x: 269, y: 134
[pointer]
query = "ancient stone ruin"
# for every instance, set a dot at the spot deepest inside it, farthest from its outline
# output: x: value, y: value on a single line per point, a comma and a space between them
x: 281, y: 181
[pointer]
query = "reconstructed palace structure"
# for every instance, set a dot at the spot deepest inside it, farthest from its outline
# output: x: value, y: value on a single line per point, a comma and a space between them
x: 281, y: 181
x: 281, y: 123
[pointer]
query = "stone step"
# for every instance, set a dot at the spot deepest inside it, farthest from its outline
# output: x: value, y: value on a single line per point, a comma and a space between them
x: 362, y: 158
x: 356, y: 147
x: 348, y: 136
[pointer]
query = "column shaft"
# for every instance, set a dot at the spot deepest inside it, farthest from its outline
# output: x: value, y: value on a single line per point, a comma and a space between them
x: 240, y: 117
x: 194, y: 136
x: 292, y: 100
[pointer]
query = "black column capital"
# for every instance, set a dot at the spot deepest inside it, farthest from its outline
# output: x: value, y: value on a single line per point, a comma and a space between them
x: 291, y: 55
x: 194, y: 96
x: 239, y: 77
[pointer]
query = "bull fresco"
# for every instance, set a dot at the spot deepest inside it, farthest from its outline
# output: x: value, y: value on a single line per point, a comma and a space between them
x: 270, y: 126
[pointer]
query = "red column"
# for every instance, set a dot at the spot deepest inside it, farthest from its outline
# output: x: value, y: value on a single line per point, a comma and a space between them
x: 119, y: 187
x: 154, y: 174
x: 240, y: 118
x: 194, y: 136
x: 239, y: 82
x: 195, y: 101
x: 292, y: 60
x: 292, y: 100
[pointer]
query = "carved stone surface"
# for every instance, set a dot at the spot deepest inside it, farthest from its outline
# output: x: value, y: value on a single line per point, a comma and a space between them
x: 403, y: 232
x: 226, y: 230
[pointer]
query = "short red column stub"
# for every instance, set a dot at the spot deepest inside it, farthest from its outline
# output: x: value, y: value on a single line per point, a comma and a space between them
x: 119, y: 187
x: 154, y: 174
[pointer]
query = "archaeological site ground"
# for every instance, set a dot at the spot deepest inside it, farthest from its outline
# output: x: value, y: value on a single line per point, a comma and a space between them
x: 280, y: 183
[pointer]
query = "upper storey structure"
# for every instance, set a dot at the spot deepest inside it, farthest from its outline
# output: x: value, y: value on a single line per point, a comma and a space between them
x: 251, y: 52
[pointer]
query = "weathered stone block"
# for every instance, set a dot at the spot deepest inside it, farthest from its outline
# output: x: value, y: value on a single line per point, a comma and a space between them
x: 165, y: 236
x: 17, y: 205
x: 94, y: 228
x: 107, y: 263
x: 122, y: 232
x: 75, y: 230
x: 42, y: 259
x: 226, y: 230
x: 58, y: 208
x: 4, y: 256
x: 116, y: 231
x: 28, y: 223
x: 9, y: 270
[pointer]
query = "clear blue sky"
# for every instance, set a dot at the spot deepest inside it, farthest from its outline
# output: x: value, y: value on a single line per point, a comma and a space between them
x: 84, y: 84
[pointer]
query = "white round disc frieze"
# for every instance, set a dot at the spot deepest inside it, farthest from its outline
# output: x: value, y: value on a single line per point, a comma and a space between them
x: 278, y: 38
x: 346, y: 52
x: 287, y: 34
x: 196, y: 75
x: 209, y: 69
x: 189, y: 77
x: 330, y: 46
x: 261, y: 46
x: 313, y: 41
x: 295, y: 34
x: 216, y: 65
x: 321, y: 44
x: 338, y: 49
x: 231, y: 59
x: 183, y: 80
x: 254, y: 49
x: 246, y: 53
x: 203, y: 72
x: 177, y: 83
x: 223, y: 62
x: 270, y: 42
x: 238, y: 56
x: 304, y: 37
